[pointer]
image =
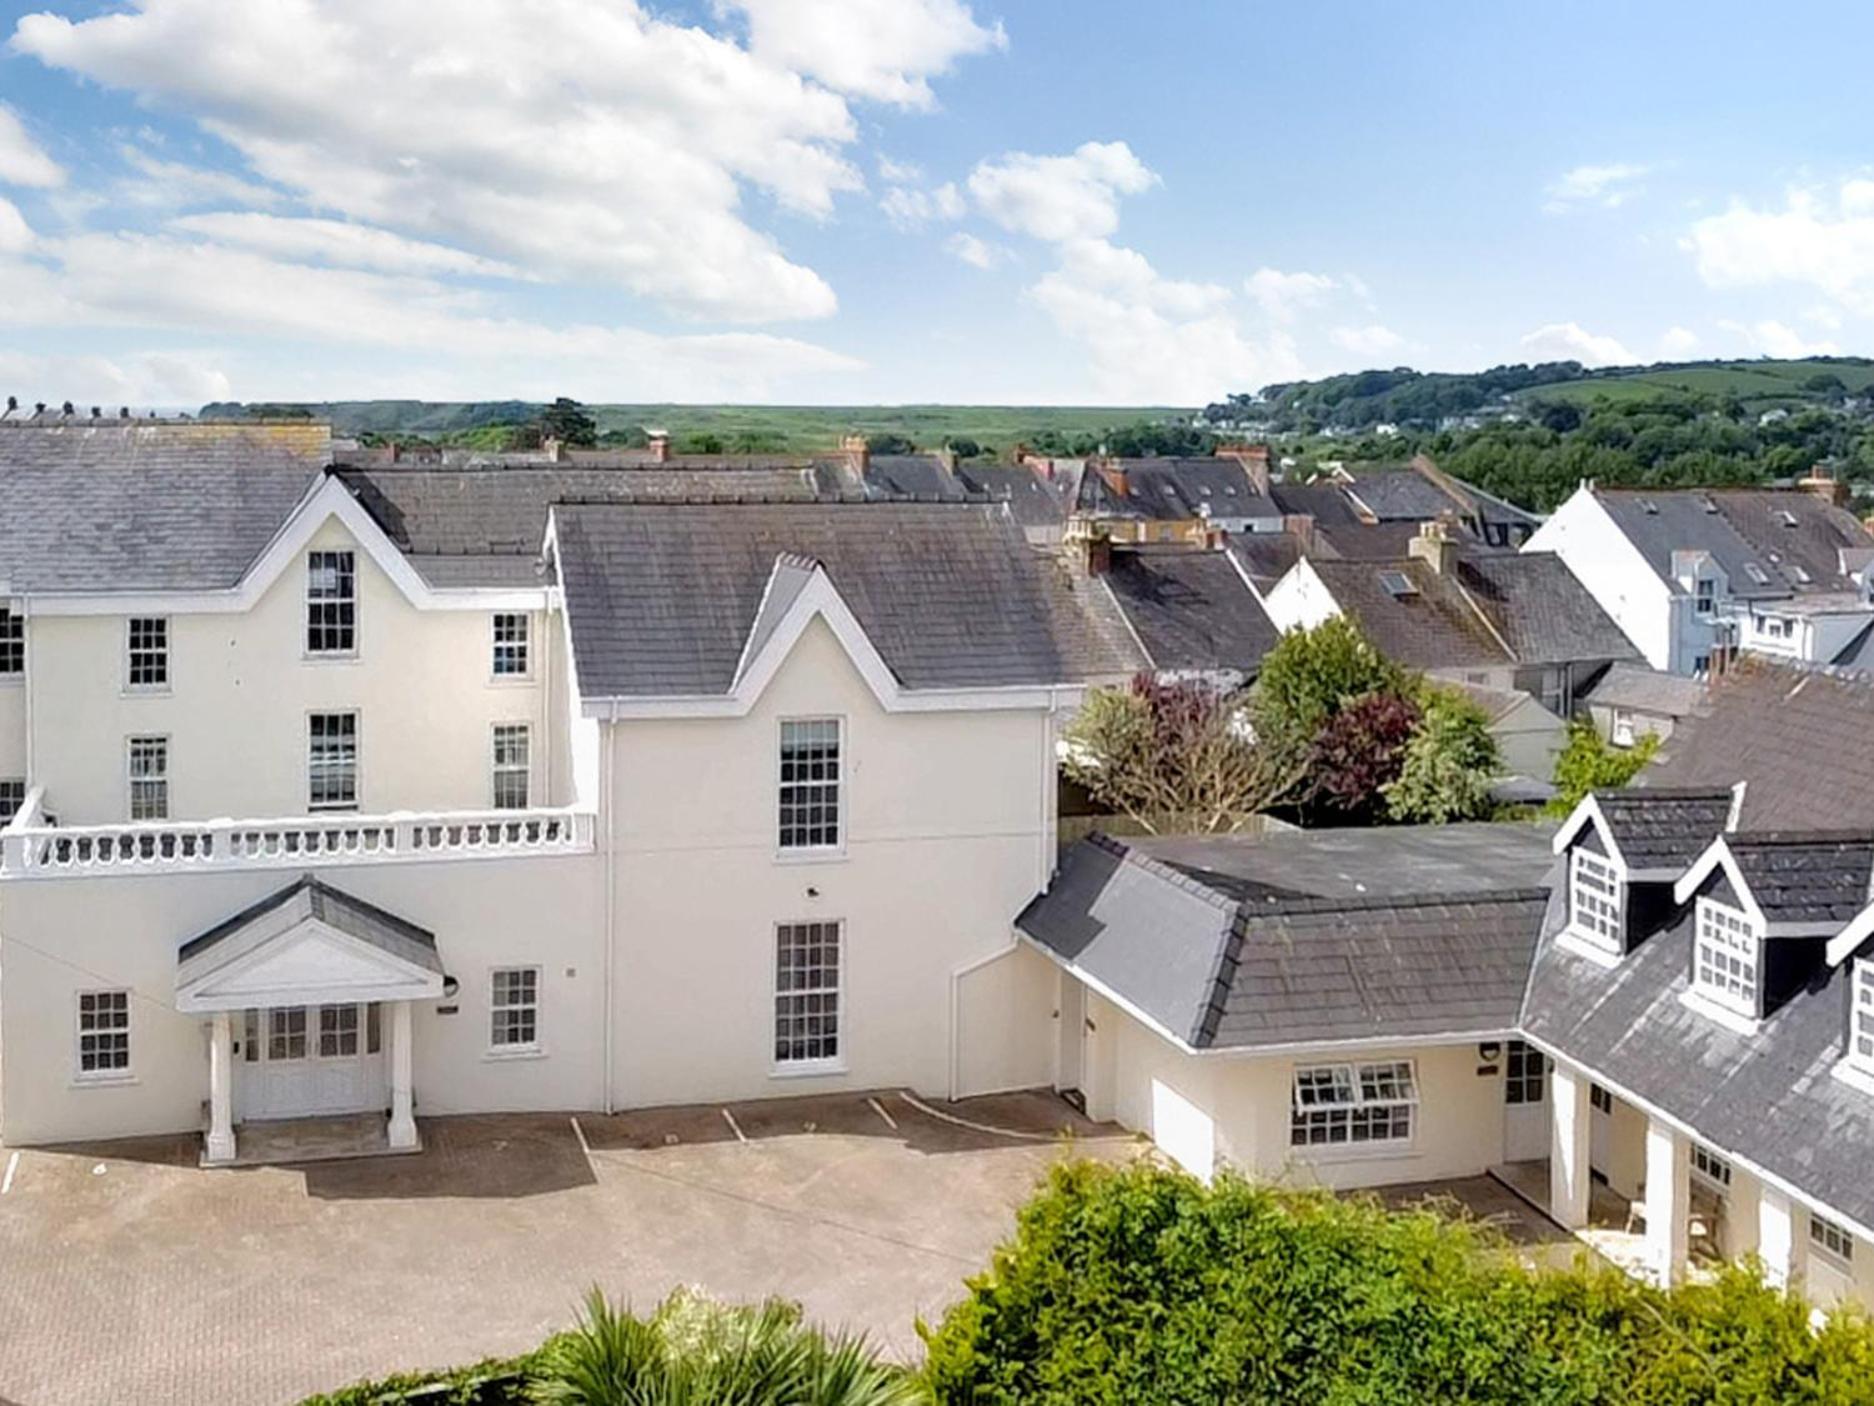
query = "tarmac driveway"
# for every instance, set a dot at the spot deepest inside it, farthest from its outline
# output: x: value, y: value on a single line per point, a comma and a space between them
x: 127, y: 1274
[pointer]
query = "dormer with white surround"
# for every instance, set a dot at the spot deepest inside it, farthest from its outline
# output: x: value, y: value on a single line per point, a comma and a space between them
x: 1622, y: 853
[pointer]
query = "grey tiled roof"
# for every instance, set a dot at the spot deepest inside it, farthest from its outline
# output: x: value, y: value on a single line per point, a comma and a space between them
x: 1541, y: 610
x: 1799, y: 737
x: 1400, y: 495
x: 1265, y: 556
x: 915, y: 477
x: 1806, y: 878
x: 1034, y: 501
x: 1767, y: 1097
x: 1630, y: 685
x: 1176, y: 489
x: 161, y: 506
x: 306, y: 898
x: 1661, y: 828
x: 1433, y: 627
x: 1191, y: 610
x: 1741, y: 528
x: 661, y: 597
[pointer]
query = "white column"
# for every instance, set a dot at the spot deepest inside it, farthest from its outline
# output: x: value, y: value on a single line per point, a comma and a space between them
x: 1782, y: 1239
x: 402, y: 1119
x: 1668, y: 1201
x: 221, y: 1089
x: 1568, y: 1146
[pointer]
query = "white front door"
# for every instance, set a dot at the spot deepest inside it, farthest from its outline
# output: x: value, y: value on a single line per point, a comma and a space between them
x: 1525, y: 1104
x: 307, y: 1061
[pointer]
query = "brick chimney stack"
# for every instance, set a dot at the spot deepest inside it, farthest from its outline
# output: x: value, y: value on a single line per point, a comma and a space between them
x: 659, y: 442
x: 1821, y: 481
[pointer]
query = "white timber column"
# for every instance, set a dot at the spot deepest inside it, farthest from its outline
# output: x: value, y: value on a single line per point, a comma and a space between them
x: 221, y: 1089
x: 1569, y: 1183
x: 1668, y: 1201
x: 1782, y: 1240
x: 402, y: 1118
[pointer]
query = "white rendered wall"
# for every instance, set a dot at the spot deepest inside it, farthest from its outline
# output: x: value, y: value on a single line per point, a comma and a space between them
x: 1005, y: 1039
x: 1300, y: 600
x: 1614, y: 572
x: 946, y: 840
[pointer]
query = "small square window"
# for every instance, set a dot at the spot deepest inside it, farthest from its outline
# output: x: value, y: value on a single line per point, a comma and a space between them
x: 512, y: 657
x: 338, y: 1032
x: 331, y: 603
x: 12, y: 644
x: 149, y: 778
x: 1831, y: 1238
x: 1861, y: 1016
x: 512, y: 746
x: 514, y: 1008
x: 103, y: 1034
x: 1525, y: 1073
x: 147, y: 667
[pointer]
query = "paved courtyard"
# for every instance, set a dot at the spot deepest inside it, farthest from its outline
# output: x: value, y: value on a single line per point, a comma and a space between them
x: 127, y: 1274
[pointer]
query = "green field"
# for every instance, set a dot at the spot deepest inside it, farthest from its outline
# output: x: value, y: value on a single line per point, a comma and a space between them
x: 1757, y: 383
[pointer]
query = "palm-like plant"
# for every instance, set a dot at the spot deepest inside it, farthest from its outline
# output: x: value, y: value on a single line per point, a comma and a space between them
x: 695, y: 1352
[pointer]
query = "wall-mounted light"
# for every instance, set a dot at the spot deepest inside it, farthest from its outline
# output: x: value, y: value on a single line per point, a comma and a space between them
x: 812, y: 892
x: 1489, y: 1049
x: 450, y: 986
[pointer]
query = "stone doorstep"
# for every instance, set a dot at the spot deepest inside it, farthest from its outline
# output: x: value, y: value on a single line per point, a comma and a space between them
x: 293, y: 1141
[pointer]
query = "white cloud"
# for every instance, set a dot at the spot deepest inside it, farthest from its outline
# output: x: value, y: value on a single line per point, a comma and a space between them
x: 1825, y: 243
x: 1282, y: 295
x: 141, y: 380
x: 886, y: 50
x: 898, y: 173
x: 1060, y: 197
x: 1771, y: 338
x: 977, y: 253
x: 908, y: 209
x: 16, y: 236
x: 1373, y: 340
x: 1677, y: 342
x: 22, y: 161
x: 177, y: 185
x: 1570, y: 341
x: 1608, y: 186
x: 335, y: 242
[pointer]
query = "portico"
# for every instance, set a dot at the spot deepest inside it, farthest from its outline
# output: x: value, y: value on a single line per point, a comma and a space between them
x: 309, y: 995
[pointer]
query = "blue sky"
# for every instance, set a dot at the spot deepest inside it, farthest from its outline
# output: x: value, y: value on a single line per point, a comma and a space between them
x: 913, y: 200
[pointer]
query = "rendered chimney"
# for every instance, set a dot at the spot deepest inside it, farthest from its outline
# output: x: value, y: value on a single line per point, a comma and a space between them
x: 1434, y: 546
x: 858, y: 449
x: 1821, y: 481
x: 554, y: 449
x: 659, y: 442
x: 1255, y: 461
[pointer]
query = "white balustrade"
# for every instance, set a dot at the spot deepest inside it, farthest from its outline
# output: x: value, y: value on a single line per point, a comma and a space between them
x: 32, y: 849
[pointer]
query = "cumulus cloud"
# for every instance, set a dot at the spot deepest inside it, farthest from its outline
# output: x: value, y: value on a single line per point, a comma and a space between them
x: 908, y: 208
x: 1821, y: 239
x: 1373, y: 340
x: 1060, y: 197
x: 335, y: 242
x: 1678, y: 342
x: 1283, y: 295
x: 1771, y: 338
x: 168, y: 380
x: 977, y: 253
x: 1570, y: 341
x: 16, y: 236
x: 178, y: 185
x: 1607, y: 186
x: 22, y: 161
x: 885, y: 50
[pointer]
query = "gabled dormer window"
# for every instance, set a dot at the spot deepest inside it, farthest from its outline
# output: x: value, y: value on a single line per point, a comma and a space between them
x: 1594, y: 900
x: 1861, y: 1017
x: 1727, y: 957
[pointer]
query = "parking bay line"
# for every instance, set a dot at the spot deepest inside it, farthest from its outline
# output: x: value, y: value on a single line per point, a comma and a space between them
x: 13, y: 1163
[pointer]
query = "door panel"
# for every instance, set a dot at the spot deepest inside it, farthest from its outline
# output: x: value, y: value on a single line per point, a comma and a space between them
x: 308, y: 1061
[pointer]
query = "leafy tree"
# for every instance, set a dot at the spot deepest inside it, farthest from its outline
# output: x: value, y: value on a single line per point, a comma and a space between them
x: 891, y: 444
x: 1307, y: 678
x: 567, y: 421
x: 966, y: 448
x: 1359, y: 752
x: 705, y: 443
x: 1449, y: 765
x: 1589, y: 763
x: 1156, y: 749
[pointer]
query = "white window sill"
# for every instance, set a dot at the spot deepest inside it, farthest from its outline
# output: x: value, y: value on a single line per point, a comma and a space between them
x: 103, y: 1081
x: 308, y: 658
x: 510, y: 680
x: 503, y: 1053
x: 135, y: 692
x: 1732, y: 1020
x: 1570, y: 940
x: 834, y: 854
x: 12, y: 680
x: 808, y: 1069
x: 1365, y: 1152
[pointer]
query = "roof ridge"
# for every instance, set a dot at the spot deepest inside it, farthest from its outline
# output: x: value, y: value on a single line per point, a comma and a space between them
x: 1800, y: 837
x: 1250, y: 909
x: 1158, y: 868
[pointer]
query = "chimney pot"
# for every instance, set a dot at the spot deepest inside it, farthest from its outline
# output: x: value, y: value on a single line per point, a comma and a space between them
x: 659, y: 443
x: 1434, y: 545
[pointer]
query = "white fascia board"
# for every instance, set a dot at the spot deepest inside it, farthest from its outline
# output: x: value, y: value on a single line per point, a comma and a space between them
x: 1587, y: 811
x: 1842, y: 945
x: 1719, y: 853
x: 330, y: 499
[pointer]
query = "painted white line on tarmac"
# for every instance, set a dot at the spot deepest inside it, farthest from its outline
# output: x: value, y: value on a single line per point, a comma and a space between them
x: 734, y: 1126
x: 580, y: 1133
x: 13, y: 1165
x: 879, y: 1109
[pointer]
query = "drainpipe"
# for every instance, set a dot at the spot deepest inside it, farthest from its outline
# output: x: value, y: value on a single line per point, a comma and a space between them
x: 26, y: 617
x: 608, y: 797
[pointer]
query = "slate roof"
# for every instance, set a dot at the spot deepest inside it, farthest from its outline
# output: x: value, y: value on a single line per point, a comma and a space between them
x: 1806, y: 878
x: 1339, y: 531
x: 140, y: 505
x: 1191, y: 610
x: 1541, y: 609
x: 1663, y: 828
x: 918, y: 478
x: 1646, y: 690
x: 1265, y: 556
x: 1767, y: 1097
x: 1800, y: 738
x: 1431, y: 627
x: 1242, y: 944
x: 1175, y: 489
x: 661, y: 597
x: 306, y: 899
x: 1400, y: 495
x: 1741, y: 528
x: 1033, y: 500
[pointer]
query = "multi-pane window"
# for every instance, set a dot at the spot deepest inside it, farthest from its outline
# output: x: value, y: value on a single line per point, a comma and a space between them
x: 511, y: 766
x: 103, y: 1034
x: 810, y: 775
x: 12, y: 644
x: 1706, y: 598
x: 331, y: 603
x: 1353, y: 1104
x: 148, y: 664
x: 286, y: 1032
x: 332, y: 761
x: 1601, y: 1099
x: 1525, y: 1073
x: 511, y: 658
x: 1594, y: 899
x: 1710, y: 1168
x: 338, y: 1031
x: 149, y: 778
x: 1861, y: 1016
x: 514, y: 1008
x: 1831, y: 1237
x: 1724, y: 957
x: 806, y: 993
x: 12, y: 797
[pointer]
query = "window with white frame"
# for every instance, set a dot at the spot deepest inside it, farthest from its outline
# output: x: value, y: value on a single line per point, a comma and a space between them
x: 511, y: 751
x: 512, y: 659
x: 1710, y: 1168
x: 807, y: 993
x: 332, y: 761
x: 147, y: 642
x: 338, y: 1032
x: 286, y: 1033
x: 1832, y: 1238
x: 514, y: 1008
x: 1706, y: 597
x: 1600, y: 1099
x: 1353, y: 1105
x: 1525, y: 1073
x: 103, y: 1034
x: 1594, y: 899
x: 810, y: 779
x: 1725, y: 952
x: 12, y: 644
x: 12, y: 797
x: 1861, y: 1016
x: 331, y: 603
x: 1620, y: 729
x: 149, y: 778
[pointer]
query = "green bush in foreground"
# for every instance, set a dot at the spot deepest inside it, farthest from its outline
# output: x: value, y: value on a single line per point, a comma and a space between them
x: 1141, y: 1285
